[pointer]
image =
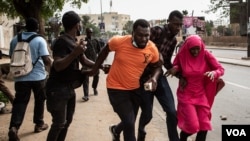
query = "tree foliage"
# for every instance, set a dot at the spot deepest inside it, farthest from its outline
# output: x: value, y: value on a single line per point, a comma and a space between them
x: 224, y: 31
x: 39, y: 9
x: 185, y: 12
x: 27, y: 8
x: 87, y: 23
x: 128, y: 27
x: 228, y: 32
x: 221, y: 29
x: 219, y: 5
x: 209, y: 25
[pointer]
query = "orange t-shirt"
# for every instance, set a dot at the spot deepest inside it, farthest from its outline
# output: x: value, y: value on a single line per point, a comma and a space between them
x: 129, y: 62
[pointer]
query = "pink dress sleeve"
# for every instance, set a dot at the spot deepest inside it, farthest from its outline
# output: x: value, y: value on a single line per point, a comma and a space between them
x: 214, y: 64
x: 176, y: 63
x: 211, y: 86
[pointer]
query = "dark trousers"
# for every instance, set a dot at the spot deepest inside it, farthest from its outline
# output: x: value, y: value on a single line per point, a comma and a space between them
x: 165, y: 97
x: 61, y: 104
x: 22, y: 97
x: 124, y: 103
x: 86, y: 84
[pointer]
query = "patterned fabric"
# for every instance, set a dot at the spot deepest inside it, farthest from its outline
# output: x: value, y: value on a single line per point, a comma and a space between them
x: 165, y: 43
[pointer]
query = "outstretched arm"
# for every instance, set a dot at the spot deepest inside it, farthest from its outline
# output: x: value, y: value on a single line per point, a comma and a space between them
x: 101, y: 57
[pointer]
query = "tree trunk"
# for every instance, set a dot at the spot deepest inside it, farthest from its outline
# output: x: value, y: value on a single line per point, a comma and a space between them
x: 31, y: 8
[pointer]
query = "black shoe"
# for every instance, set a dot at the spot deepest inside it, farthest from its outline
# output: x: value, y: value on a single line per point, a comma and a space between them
x: 95, y: 92
x: 13, y: 134
x: 40, y: 128
x: 115, y: 136
x: 85, y: 98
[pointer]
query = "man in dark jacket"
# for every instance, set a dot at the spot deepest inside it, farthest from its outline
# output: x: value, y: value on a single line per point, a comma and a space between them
x: 92, y: 51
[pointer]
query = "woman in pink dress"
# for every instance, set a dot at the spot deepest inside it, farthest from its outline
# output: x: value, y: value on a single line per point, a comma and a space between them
x: 200, y: 70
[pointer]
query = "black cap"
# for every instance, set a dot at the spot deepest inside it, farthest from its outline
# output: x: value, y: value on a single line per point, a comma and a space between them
x: 70, y: 19
x: 31, y: 24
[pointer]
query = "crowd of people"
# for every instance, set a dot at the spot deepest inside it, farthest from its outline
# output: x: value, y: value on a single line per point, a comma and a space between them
x: 135, y: 77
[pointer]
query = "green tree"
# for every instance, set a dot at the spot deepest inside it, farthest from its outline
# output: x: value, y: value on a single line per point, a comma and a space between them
x: 219, y: 5
x: 209, y: 25
x: 86, y: 23
x: 221, y: 30
x: 228, y: 32
x: 185, y: 12
x: 39, y: 9
x: 128, y: 27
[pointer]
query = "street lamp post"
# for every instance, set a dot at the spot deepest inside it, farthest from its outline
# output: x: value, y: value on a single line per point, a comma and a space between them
x: 248, y: 30
x: 101, y: 25
x: 101, y: 11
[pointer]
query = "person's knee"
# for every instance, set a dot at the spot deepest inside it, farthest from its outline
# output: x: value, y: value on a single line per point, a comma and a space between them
x: 146, y: 117
x: 58, y: 125
x: 192, y: 127
x: 128, y: 124
x: 67, y: 124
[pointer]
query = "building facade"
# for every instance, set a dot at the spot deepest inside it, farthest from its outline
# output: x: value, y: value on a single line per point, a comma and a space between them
x: 110, y: 21
x: 6, y: 32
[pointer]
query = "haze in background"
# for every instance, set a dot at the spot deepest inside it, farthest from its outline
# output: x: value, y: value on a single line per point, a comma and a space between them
x: 147, y: 9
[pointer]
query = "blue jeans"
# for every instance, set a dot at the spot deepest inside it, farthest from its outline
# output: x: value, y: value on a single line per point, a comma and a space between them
x: 124, y: 103
x: 165, y: 97
x: 23, y: 92
x: 61, y: 104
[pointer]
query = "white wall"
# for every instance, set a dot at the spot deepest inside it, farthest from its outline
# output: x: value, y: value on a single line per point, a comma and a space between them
x: 6, y: 32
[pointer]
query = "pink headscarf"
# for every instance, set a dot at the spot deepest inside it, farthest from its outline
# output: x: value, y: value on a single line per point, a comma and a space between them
x: 190, y: 63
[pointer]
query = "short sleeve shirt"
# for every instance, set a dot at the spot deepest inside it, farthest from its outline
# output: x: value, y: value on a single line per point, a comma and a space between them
x: 129, y: 62
x: 61, y: 49
x: 38, y: 48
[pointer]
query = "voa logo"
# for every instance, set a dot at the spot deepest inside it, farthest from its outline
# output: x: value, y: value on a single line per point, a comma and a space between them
x: 236, y: 132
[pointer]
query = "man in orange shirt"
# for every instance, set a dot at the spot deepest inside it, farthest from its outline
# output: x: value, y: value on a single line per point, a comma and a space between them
x: 132, y: 54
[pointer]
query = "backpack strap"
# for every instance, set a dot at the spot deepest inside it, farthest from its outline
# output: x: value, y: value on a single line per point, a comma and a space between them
x: 67, y: 39
x: 35, y: 61
x: 28, y: 40
x: 19, y: 37
x: 32, y: 37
